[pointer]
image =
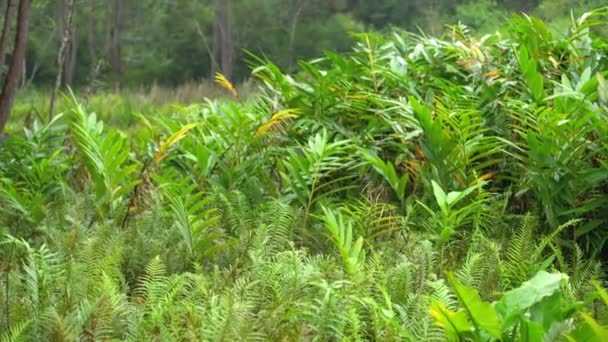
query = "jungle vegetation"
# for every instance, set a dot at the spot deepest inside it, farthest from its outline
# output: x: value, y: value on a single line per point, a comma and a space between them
x: 413, y: 187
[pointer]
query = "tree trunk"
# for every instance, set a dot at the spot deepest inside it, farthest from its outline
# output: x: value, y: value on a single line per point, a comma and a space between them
x: 92, y: 43
x: 6, y: 27
x: 10, y: 83
x: 65, y: 39
x: 292, y: 33
x: 70, y: 67
x: 223, y: 45
x: 116, y: 43
x: 23, y: 74
x: 36, y: 63
x: 71, y: 48
x: 200, y: 32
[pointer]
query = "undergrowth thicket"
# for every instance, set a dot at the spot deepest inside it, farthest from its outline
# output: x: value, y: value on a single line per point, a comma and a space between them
x: 414, y: 189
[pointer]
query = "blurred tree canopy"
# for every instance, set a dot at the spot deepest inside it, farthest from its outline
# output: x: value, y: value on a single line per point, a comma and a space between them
x: 138, y: 42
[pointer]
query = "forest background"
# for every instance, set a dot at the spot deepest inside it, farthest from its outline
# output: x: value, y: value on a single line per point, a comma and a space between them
x: 132, y: 43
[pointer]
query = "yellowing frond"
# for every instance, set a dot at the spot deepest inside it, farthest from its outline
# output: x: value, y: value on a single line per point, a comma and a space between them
x: 224, y: 83
x: 277, y: 120
x: 173, y: 139
x: 493, y: 74
x: 484, y: 177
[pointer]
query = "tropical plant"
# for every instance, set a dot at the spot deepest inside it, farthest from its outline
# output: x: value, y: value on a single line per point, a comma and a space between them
x: 416, y: 188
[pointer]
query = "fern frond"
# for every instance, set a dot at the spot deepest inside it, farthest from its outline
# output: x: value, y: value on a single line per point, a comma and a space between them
x: 424, y: 258
x: 275, y: 233
x: 400, y: 281
x: 550, y: 238
x: 517, y: 268
x: 16, y: 332
x: 374, y: 219
x: 311, y: 172
x: 472, y: 272
x: 154, y: 273
x: 193, y: 216
x: 442, y: 294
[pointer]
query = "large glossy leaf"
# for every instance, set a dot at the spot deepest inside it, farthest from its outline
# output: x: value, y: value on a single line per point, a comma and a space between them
x: 482, y: 313
x: 455, y: 324
x: 440, y: 196
x: 514, y: 303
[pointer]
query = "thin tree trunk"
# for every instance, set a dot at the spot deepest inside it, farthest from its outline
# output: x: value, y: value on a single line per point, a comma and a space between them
x: 23, y: 76
x: 217, y: 38
x: 36, y: 63
x: 292, y: 32
x: 32, y: 75
x: 95, y: 68
x: 116, y: 43
x: 10, y: 83
x: 65, y: 39
x: 6, y: 27
x: 91, y: 29
x: 71, y: 63
x: 228, y: 44
x: 207, y: 47
x: 223, y: 45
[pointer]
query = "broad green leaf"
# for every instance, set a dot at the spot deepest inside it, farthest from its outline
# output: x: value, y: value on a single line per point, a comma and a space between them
x: 341, y: 234
x: 452, y: 197
x: 584, y: 78
x: 388, y: 172
x: 533, y: 77
x: 440, y: 195
x: 446, y: 233
x: 548, y: 311
x: 531, y: 331
x: 515, y: 302
x: 455, y: 324
x: 602, y: 88
x: 481, y: 313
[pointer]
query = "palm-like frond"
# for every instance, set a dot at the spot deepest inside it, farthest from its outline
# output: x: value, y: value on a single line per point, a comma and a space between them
x: 341, y: 234
x: 194, y: 217
x: 313, y: 171
x: 106, y: 157
x: 16, y: 332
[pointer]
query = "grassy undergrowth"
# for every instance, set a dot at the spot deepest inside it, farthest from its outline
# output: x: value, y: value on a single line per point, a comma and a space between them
x: 120, y: 109
x: 414, y: 189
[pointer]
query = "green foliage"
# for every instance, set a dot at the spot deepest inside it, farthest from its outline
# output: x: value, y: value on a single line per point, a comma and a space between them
x: 533, y: 310
x: 449, y: 218
x: 313, y: 170
x: 416, y: 188
x: 194, y: 218
x: 105, y: 156
x: 158, y: 49
x: 341, y: 234
x: 591, y: 329
x: 387, y: 171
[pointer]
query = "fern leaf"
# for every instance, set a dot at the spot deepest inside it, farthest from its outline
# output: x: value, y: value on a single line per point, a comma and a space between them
x: 16, y: 332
